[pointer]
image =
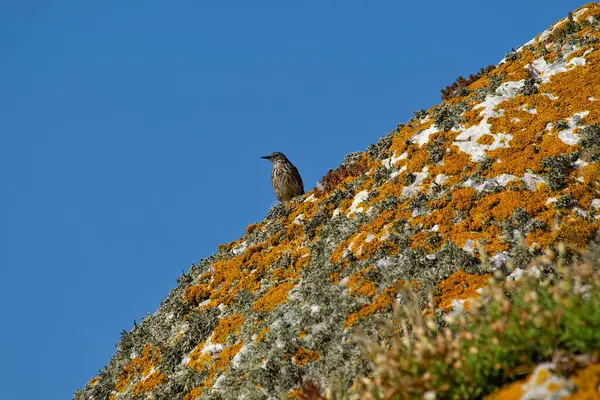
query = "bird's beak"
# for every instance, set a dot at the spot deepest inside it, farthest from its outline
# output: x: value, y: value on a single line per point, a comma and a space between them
x: 266, y: 157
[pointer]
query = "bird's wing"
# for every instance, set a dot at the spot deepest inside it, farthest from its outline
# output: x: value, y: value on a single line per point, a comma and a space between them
x: 299, y: 177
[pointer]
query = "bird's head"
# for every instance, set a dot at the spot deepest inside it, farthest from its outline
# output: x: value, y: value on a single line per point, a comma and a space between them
x: 276, y: 157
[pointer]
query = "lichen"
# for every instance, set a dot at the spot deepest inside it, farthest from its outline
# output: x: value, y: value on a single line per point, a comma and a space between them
x: 486, y: 173
x: 303, y: 356
x: 459, y: 286
x: 138, y: 366
x: 273, y: 297
x: 149, y: 383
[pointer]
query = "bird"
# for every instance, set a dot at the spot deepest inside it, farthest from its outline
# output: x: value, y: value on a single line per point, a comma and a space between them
x: 285, y: 177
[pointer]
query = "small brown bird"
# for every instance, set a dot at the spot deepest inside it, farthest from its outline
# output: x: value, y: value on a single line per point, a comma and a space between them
x: 285, y: 177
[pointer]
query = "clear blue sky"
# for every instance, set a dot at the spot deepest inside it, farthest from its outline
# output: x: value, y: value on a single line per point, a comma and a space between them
x: 131, y: 131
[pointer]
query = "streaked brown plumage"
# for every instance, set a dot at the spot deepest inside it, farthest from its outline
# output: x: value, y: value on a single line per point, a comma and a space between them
x: 285, y: 177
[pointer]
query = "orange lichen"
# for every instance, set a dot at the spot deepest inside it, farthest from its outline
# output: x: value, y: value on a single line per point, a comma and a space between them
x: 589, y: 12
x: 149, y: 383
x: 197, y: 294
x: 515, y: 70
x: 360, y: 286
x: 459, y: 286
x: 577, y: 231
x: 379, y: 303
x: 472, y: 117
x: 334, y: 277
x: 553, y: 387
x: 542, y: 376
x: 245, y: 271
x: 220, y: 364
x: 195, y: 393
x: 530, y: 144
x: 486, y: 139
x: 417, y: 159
x: 455, y: 163
x: 273, y: 297
x: 226, y: 355
x: 252, y: 227
x: 227, y: 326
x: 282, y: 274
x: 94, y: 381
x: 262, y: 334
x: 229, y: 246
x: 303, y: 356
x: 138, y: 366
x: 199, y: 358
x: 509, y: 392
x: 586, y: 380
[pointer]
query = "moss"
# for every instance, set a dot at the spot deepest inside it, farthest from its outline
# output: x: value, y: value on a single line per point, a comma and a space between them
x: 409, y: 178
x: 570, y: 27
x: 560, y: 125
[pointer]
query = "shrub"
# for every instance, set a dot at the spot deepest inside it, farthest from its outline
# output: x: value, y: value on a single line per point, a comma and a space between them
x: 459, y: 88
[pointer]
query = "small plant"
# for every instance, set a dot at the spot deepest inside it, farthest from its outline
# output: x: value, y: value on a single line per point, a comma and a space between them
x: 560, y: 125
x: 352, y: 167
x: 459, y: 87
x: 436, y: 150
x: 557, y: 169
x: 510, y: 57
x: 420, y: 114
x: 565, y: 201
x: 590, y: 137
x: 409, y: 178
x: 568, y: 28
x: 495, y: 82
x: 380, y: 151
x: 447, y: 117
x: 531, y: 84
x: 590, y: 142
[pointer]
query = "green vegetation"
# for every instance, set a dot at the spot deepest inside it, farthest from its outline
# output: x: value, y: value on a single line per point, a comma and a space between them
x: 552, y: 309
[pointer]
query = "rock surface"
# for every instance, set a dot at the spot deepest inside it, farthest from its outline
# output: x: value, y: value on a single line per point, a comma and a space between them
x: 508, y: 164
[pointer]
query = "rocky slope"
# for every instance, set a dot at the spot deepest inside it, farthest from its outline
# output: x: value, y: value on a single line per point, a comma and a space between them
x: 507, y: 165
